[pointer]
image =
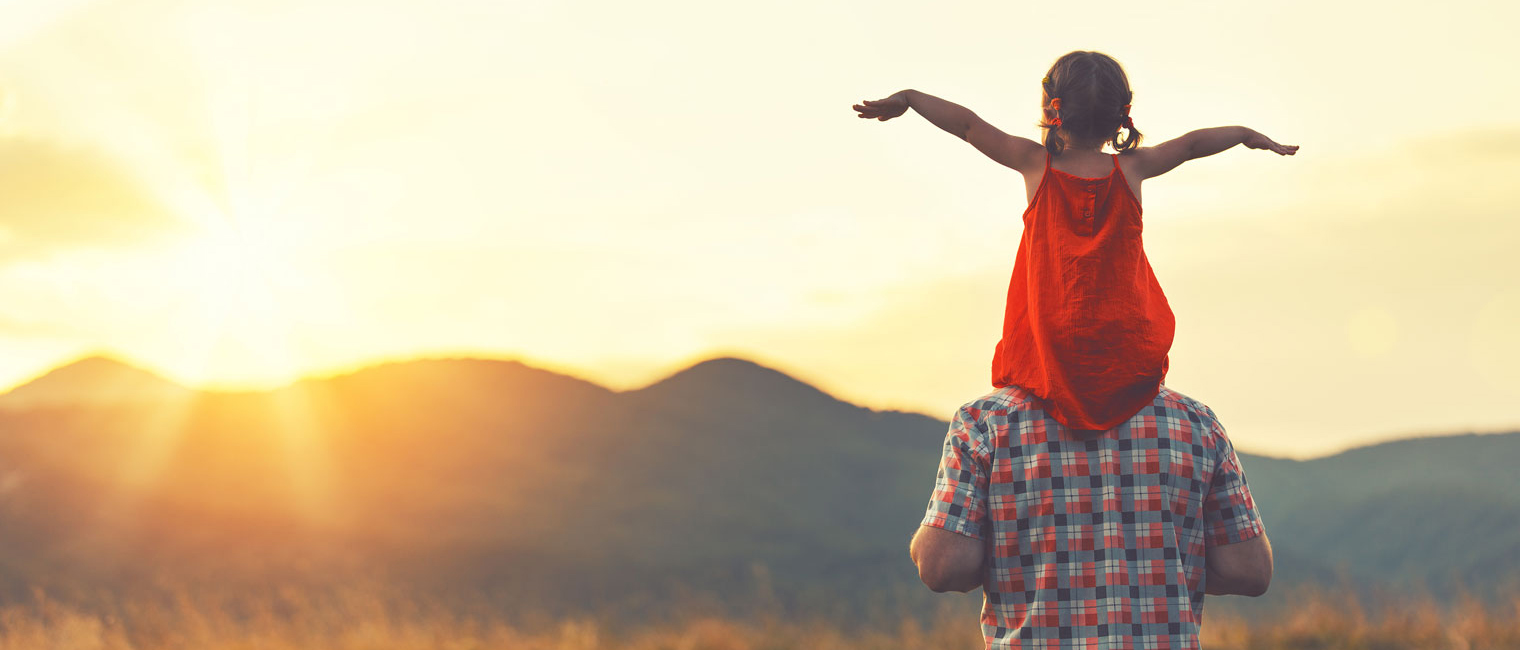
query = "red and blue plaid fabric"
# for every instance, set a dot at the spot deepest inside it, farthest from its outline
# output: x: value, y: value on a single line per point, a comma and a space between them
x: 1094, y: 543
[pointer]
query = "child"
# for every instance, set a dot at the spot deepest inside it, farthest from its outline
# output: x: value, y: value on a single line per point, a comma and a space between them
x: 1087, y: 328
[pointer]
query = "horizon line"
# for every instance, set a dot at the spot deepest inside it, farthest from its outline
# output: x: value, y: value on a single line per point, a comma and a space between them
x: 564, y: 370
x: 572, y: 371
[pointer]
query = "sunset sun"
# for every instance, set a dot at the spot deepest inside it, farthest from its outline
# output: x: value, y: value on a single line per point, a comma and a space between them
x: 243, y: 295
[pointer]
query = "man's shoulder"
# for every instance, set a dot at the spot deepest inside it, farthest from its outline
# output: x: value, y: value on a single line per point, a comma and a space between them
x: 1172, y: 399
x: 1015, y: 403
x: 1011, y: 399
x: 1002, y: 402
x: 1197, y: 412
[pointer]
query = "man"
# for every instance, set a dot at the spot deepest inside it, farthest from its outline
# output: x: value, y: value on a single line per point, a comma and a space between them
x: 1108, y: 538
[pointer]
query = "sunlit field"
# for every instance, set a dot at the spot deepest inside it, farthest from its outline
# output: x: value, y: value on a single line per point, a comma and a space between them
x: 448, y: 519
x: 375, y: 619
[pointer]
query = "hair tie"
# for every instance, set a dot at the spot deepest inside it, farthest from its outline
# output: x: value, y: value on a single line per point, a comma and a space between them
x: 1055, y: 105
x: 1129, y: 122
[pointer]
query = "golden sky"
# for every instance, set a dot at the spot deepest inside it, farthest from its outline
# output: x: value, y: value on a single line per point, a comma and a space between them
x: 238, y: 193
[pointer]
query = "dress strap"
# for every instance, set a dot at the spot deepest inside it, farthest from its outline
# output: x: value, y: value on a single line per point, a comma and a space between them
x: 1119, y: 172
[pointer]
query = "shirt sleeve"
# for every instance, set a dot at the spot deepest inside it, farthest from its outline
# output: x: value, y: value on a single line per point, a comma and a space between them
x: 1229, y: 512
x: 959, y: 501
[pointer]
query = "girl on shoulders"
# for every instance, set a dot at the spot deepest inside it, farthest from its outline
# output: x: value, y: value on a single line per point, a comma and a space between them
x: 1087, y: 328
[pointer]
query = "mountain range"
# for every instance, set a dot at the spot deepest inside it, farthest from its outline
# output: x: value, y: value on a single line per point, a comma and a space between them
x: 726, y: 481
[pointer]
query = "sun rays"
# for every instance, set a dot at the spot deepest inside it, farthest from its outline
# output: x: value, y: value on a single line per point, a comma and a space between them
x: 233, y: 289
x: 337, y: 182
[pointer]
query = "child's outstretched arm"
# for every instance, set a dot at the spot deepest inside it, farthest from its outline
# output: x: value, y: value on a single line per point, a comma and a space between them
x: 1162, y: 158
x: 1012, y: 151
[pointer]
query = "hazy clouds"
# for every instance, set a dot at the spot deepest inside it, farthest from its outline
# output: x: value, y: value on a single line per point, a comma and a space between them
x: 54, y: 196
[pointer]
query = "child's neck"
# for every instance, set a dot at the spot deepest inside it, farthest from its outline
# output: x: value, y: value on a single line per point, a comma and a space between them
x: 1073, y: 144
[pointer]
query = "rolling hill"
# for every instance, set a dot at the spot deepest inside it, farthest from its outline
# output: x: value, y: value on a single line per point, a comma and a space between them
x: 727, y: 481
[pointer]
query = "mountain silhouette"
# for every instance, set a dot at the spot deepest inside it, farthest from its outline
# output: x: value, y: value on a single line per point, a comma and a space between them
x: 727, y: 381
x: 97, y: 379
x: 726, y: 479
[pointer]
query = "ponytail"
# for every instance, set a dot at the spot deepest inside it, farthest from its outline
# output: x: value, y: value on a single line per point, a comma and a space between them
x: 1053, y: 142
x: 1123, y: 144
x: 1051, y: 122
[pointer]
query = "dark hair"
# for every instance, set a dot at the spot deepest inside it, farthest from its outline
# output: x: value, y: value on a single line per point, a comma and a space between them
x: 1094, y: 93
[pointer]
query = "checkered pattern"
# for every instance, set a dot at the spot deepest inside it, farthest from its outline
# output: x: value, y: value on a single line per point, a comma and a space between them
x: 1095, y: 543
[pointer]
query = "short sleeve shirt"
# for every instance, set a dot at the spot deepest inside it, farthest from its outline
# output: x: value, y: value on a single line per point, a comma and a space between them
x: 1096, y: 542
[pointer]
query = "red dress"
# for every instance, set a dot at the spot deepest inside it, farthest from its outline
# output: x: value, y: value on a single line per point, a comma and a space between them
x: 1087, y: 328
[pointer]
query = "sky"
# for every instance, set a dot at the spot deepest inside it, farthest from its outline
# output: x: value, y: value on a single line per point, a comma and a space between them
x: 235, y: 194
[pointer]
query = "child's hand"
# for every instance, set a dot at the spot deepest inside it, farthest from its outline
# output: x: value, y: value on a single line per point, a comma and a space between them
x: 1258, y: 141
x: 883, y: 109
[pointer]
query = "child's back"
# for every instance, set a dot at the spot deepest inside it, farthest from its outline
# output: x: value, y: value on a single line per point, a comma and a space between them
x: 1086, y: 327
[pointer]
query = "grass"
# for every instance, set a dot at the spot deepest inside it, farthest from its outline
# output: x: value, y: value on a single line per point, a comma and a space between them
x: 370, y: 619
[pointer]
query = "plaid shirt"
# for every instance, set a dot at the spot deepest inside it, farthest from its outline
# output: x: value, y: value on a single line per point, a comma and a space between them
x: 1094, y: 543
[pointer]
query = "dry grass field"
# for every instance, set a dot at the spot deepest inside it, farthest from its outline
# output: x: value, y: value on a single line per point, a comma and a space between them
x: 362, y: 619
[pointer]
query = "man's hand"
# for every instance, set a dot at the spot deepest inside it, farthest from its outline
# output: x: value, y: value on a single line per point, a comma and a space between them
x: 1256, y: 140
x: 883, y: 109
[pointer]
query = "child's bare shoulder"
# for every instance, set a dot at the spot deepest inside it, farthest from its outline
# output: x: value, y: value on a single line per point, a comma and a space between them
x: 1142, y: 163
